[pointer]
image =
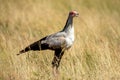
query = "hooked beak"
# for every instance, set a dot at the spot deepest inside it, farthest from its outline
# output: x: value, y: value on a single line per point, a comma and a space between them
x: 77, y: 14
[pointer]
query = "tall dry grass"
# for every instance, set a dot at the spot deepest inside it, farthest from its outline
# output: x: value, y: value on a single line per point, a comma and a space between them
x: 94, y: 55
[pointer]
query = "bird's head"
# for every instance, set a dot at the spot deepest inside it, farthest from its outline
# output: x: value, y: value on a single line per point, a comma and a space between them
x: 73, y: 13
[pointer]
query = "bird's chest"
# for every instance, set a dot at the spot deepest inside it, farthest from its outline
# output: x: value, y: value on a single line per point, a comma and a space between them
x: 70, y: 38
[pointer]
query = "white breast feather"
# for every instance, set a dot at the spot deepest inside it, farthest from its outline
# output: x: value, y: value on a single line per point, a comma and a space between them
x: 70, y: 37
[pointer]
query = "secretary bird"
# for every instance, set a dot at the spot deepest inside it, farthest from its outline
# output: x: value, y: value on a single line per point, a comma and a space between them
x: 58, y: 42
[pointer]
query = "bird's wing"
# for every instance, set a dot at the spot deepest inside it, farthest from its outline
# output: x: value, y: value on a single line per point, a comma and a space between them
x: 56, y: 41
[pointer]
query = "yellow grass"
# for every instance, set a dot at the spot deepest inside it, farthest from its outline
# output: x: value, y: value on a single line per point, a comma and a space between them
x: 95, y: 54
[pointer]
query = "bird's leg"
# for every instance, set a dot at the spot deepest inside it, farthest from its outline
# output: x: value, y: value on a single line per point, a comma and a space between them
x: 55, y: 72
x: 56, y: 62
x: 55, y: 65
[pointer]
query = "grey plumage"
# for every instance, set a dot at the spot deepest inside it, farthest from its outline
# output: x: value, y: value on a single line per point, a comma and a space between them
x: 58, y: 42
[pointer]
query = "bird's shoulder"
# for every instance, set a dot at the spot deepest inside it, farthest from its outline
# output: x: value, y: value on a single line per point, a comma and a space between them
x: 57, y: 35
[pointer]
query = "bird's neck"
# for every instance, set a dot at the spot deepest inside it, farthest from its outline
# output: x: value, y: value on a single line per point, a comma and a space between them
x: 69, y: 24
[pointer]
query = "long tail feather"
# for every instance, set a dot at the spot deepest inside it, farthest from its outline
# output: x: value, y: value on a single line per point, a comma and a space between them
x: 24, y: 50
x: 36, y: 46
x: 33, y: 46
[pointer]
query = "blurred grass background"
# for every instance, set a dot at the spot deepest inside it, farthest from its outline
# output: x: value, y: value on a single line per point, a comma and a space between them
x: 95, y: 54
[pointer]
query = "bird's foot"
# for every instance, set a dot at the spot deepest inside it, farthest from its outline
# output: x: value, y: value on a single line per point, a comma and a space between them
x: 55, y: 73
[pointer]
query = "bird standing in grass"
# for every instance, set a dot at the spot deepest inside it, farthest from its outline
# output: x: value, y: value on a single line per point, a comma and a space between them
x: 58, y: 42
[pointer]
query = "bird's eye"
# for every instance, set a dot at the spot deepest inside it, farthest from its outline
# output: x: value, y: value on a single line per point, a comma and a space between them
x: 71, y: 13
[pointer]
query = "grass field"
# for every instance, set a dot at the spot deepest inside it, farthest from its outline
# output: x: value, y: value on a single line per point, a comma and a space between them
x: 95, y: 54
